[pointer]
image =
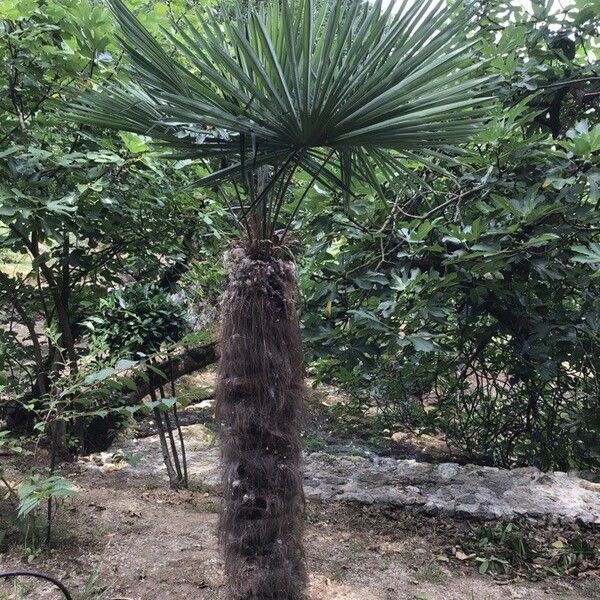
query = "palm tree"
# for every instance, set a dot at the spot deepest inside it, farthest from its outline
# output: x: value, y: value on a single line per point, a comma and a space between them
x: 342, y: 90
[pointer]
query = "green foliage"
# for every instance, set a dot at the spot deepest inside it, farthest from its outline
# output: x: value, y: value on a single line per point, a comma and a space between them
x: 510, y: 536
x: 9, y: 445
x: 136, y: 321
x: 29, y: 496
x: 334, y: 91
x: 81, y: 211
x: 80, y: 208
x: 37, y: 490
x: 472, y: 309
x: 507, y: 549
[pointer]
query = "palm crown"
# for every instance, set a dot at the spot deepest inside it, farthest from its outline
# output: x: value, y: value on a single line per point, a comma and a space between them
x: 342, y: 88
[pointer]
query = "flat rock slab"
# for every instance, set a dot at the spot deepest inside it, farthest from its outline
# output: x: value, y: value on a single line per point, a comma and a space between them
x: 467, y: 490
x: 470, y: 490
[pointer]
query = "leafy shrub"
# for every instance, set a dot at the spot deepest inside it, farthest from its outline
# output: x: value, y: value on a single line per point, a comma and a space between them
x: 135, y: 321
x: 29, y: 498
x: 472, y: 309
x: 520, y: 548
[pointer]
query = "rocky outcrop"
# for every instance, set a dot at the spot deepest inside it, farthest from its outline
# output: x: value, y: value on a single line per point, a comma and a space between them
x: 464, y: 490
x: 469, y: 490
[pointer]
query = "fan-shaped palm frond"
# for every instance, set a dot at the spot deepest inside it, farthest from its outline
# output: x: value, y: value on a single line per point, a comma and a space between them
x: 343, y: 88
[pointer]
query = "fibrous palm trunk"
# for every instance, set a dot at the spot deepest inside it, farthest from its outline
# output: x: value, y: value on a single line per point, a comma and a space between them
x: 259, y: 398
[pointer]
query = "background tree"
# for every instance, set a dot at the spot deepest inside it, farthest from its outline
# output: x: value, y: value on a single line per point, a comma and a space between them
x: 490, y: 275
x: 81, y: 210
x: 346, y: 91
x: 84, y: 214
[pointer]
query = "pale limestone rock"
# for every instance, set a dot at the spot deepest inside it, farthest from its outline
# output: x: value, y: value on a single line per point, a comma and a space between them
x: 469, y: 490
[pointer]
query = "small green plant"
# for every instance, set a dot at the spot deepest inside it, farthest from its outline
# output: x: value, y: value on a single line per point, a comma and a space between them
x: 314, y: 443
x: 565, y: 557
x: 91, y: 588
x: 504, y: 547
x: 30, y: 498
x: 509, y: 537
x: 431, y: 572
x: 18, y: 591
x: 35, y: 493
x: 136, y: 322
x: 493, y: 565
x: 356, y: 546
x: 36, y: 489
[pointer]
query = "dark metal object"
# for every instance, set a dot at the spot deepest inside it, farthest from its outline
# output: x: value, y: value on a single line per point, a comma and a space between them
x: 49, y: 578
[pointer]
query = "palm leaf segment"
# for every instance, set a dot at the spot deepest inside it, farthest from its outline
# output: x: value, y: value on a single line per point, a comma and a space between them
x: 343, y: 88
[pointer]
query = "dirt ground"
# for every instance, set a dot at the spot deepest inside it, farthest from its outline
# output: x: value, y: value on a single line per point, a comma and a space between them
x: 128, y: 538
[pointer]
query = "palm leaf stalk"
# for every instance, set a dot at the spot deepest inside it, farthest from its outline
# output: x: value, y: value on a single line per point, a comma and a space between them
x: 342, y: 91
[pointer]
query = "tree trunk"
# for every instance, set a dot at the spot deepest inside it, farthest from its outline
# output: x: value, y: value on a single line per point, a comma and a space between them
x: 259, y: 400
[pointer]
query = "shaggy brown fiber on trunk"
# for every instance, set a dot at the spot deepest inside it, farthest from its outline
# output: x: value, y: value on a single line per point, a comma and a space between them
x: 259, y: 400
